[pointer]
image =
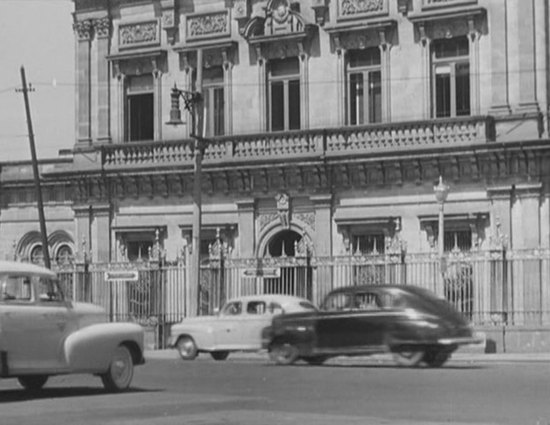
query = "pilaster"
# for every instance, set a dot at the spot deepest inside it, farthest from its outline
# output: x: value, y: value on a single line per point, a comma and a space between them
x: 323, y: 224
x: 246, y: 223
x: 499, y: 59
x: 101, y: 233
x: 526, y: 57
x: 84, y: 30
x: 102, y: 29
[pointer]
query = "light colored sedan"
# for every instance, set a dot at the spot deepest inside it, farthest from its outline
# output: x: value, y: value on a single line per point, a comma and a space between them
x: 237, y: 327
x: 43, y: 334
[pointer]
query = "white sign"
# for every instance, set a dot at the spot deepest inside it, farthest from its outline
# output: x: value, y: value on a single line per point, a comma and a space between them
x: 132, y: 275
x: 267, y: 272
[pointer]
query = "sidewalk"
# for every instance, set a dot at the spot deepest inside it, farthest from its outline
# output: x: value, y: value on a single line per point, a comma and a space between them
x: 461, y: 355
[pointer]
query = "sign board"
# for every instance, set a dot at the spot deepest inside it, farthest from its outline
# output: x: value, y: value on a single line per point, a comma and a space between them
x: 131, y: 275
x: 267, y: 272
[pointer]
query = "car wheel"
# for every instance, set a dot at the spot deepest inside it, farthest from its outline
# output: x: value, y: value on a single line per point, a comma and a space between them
x: 121, y: 370
x: 408, y: 358
x: 283, y: 353
x: 219, y: 355
x: 315, y: 360
x: 32, y: 382
x: 187, y: 348
x: 436, y: 357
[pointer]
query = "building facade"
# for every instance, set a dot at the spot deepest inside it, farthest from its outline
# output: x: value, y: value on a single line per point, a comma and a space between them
x: 327, y: 125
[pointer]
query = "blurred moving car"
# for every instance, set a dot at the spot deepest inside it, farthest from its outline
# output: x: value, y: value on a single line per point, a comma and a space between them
x: 412, y: 323
x: 237, y: 327
x: 43, y: 334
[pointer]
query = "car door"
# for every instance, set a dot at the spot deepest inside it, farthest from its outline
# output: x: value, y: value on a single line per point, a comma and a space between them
x: 257, y: 316
x: 334, y: 326
x: 228, y: 333
x: 35, y: 324
x: 367, y: 328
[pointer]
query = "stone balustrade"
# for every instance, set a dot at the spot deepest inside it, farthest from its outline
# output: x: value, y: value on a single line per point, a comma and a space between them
x: 388, y: 138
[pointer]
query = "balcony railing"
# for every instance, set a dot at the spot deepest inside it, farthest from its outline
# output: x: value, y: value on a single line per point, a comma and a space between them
x: 389, y: 138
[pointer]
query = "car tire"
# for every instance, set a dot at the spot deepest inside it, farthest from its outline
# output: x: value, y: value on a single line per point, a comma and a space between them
x: 436, y: 357
x: 408, y: 358
x: 283, y: 353
x: 32, y: 382
x: 315, y: 360
x: 187, y: 348
x: 219, y: 355
x: 121, y: 370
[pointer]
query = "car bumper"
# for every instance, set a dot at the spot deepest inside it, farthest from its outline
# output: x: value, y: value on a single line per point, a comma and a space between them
x: 477, y: 338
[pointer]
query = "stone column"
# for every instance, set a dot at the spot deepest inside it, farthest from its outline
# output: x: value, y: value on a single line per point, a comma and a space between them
x: 82, y: 228
x: 101, y: 233
x: 385, y: 48
x: 103, y: 31
x: 340, y: 82
x: 157, y: 83
x: 426, y: 72
x: 83, y: 102
x: 500, y: 197
x: 499, y: 58
x: 304, y: 90
x: 228, y: 93
x: 473, y: 46
x: 120, y: 99
x: 247, y: 233
x: 526, y: 57
x: 262, y: 87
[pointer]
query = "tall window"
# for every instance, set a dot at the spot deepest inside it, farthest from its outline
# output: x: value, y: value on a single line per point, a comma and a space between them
x: 139, y: 108
x: 364, y: 91
x: 451, y: 77
x: 457, y: 239
x: 214, y: 100
x: 368, y: 243
x: 284, y: 94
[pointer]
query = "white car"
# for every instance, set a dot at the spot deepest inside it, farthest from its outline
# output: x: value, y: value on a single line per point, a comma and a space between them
x: 237, y: 327
x: 43, y: 334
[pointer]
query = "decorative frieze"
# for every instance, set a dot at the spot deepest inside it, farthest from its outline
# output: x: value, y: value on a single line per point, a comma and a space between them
x: 208, y: 25
x: 138, y: 34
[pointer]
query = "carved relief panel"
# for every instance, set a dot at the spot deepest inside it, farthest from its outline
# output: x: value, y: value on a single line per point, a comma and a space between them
x: 139, y: 34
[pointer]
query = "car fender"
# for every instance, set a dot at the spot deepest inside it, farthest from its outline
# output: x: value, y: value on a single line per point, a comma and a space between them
x: 90, y: 349
x: 203, y: 335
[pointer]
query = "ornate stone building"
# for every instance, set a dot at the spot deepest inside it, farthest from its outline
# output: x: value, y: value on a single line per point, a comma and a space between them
x: 328, y: 122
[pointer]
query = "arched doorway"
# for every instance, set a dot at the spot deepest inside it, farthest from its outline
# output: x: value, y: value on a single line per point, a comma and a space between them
x: 291, y: 265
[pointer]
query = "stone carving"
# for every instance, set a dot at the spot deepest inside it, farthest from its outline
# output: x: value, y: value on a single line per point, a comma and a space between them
x: 308, y: 218
x: 283, y: 209
x: 281, y: 19
x: 83, y: 29
x: 358, y: 7
x: 138, y: 34
x: 213, y: 24
x: 102, y: 27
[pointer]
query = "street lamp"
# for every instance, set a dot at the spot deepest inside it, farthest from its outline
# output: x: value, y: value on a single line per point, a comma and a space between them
x: 192, y: 103
x: 441, y: 191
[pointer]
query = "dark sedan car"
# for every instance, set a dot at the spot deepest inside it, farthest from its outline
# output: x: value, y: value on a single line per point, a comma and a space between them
x: 410, y: 322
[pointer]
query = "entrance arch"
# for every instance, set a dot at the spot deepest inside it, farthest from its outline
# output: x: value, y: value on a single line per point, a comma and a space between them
x: 292, y: 268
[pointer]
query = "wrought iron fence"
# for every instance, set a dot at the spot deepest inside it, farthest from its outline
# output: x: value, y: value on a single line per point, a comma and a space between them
x: 488, y: 287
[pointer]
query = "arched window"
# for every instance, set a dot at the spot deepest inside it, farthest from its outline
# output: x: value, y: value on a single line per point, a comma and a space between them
x: 36, y: 255
x: 64, y: 255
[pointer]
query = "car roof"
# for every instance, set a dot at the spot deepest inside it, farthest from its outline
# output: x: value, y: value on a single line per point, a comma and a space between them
x: 282, y: 299
x: 16, y: 267
x: 375, y: 287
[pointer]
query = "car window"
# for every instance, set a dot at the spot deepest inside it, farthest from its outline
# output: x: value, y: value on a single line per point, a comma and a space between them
x: 233, y: 308
x: 366, y: 301
x: 275, y: 308
x: 15, y: 288
x: 256, y: 307
x: 49, y: 291
x: 338, y: 301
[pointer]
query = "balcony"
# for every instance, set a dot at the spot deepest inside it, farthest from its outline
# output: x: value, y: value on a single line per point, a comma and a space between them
x: 332, y: 143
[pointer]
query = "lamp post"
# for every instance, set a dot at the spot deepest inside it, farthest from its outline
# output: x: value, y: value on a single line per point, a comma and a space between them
x: 193, y: 102
x: 441, y: 191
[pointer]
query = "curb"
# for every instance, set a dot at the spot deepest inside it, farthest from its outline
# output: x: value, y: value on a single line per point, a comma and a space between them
x: 170, y: 354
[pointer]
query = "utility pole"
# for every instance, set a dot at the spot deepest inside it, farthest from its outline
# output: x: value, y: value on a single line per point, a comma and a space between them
x: 38, y: 189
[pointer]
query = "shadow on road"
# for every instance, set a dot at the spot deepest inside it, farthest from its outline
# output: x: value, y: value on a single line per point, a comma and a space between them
x: 386, y: 366
x: 15, y: 395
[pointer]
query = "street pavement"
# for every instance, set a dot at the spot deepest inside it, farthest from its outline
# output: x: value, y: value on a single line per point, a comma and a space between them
x: 471, y: 355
